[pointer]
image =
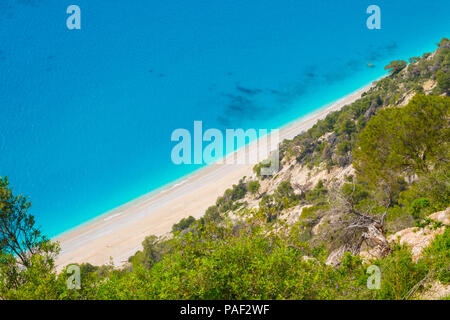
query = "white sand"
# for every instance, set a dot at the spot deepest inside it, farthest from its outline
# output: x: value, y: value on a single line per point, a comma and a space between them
x: 119, y: 233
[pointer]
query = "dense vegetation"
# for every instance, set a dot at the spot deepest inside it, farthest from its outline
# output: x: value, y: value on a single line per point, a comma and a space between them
x: 397, y: 139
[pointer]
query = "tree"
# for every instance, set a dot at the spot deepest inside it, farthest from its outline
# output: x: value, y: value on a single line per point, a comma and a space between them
x: 413, y: 59
x: 443, y: 81
x: 356, y: 221
x: 285, y: 190
x: 154, y: 249
x: 253, y: 187
x: 396, y: 66
x: 400, y: 142
x: 347, y: 127
x: 443, y: 42
x: 373, y: 159
x: 36, y: 281
x: 27, y: 258
x: 19, y: 236
x: 343, y: 147
x: 183, y: 224
x: 423, y: 133
x: 212, y: 214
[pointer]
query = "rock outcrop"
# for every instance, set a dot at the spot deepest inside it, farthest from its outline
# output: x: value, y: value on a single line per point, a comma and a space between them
x: 420, y: 238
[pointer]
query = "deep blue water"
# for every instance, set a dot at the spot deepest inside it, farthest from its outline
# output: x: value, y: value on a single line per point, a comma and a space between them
x: 86, y: 115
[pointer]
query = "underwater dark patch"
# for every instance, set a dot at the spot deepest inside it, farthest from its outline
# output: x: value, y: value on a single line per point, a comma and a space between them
x: 247, y: 90
x: 239, y: 108
x: 381, y: 52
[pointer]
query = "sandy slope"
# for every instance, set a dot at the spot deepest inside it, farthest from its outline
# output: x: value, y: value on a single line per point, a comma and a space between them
x: 119, y: 233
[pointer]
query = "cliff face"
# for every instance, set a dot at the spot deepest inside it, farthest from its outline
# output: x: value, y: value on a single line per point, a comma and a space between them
x: 318, y: 187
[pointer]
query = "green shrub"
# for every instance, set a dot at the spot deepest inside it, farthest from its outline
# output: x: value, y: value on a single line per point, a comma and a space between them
x: 183, y: 224
x: 418, y: 207
x: 253, y: 187
x: 317, y: 195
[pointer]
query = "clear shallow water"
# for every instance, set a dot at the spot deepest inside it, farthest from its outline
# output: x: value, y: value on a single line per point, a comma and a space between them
x: 86, y: 116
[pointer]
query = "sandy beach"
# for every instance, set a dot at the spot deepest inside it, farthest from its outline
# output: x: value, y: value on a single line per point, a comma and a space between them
x: 119, y: 233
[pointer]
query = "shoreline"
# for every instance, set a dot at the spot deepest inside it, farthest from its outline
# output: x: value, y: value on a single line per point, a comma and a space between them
x: 118, y: 233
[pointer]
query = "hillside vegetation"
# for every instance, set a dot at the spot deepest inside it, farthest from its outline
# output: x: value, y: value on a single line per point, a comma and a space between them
x: 358, y: 189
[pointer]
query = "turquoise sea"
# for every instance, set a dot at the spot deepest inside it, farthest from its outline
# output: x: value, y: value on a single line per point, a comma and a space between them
x: 87, y: 115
